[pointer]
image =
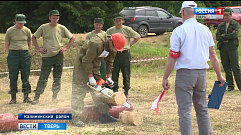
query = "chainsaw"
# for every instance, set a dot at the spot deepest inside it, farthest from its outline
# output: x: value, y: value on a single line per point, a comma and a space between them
x: 105, y: 89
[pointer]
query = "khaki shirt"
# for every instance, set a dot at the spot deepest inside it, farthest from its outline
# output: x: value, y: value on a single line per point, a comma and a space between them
x: 127, y: 31
x: 52, y: 38
x: 18, y: 38
x: 227, y: 24
x: 91, y: 34
x: 89, y: 54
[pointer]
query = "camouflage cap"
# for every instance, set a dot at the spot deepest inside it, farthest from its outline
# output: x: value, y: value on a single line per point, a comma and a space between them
x: 54, y: 12
x: 99, y: 20
x: 227, y: 11
x: 118, y: 15
x: 20, y: 18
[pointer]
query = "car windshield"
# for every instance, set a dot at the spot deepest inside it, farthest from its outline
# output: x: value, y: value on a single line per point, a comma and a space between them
x: 236, y: 10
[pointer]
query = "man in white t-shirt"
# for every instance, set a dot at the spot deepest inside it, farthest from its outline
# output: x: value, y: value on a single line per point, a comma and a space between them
x: 191, y: 46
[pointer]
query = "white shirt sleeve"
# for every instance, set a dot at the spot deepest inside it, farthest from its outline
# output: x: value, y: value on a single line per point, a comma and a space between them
x: 211, y: 42
x: 175, y: 41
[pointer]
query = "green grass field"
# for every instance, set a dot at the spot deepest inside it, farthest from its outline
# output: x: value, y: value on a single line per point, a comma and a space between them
x: 146, y: 79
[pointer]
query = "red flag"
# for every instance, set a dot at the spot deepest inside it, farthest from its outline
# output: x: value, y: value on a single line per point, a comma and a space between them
x: 155, y: 104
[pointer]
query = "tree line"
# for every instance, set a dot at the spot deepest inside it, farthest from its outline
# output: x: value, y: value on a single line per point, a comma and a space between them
x: 78, y: 16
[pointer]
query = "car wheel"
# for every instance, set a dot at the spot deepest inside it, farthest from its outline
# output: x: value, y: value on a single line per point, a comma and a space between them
x: 143, y: 31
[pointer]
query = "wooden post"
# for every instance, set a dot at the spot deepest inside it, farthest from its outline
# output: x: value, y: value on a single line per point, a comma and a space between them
x: 118, y: 98
x: 134, y: 118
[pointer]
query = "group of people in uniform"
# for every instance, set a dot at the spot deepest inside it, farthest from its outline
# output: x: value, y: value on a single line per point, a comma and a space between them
x: 105, y: 54
x: 94, y: 60
x: 18, y: 41
x: 90, y: 64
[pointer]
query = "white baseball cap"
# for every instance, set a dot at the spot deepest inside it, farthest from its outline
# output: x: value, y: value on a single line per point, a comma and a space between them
x: 188, y: 4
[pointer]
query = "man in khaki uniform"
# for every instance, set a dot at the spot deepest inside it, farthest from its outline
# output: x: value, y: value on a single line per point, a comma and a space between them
x: 98, y: 24
x: 227, y: 37
x: 122, y: 59
x: 52, y: 53
x: 17, y: 44
x: 87, y: 69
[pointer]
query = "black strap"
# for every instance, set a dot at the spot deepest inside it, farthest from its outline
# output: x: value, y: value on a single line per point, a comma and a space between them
x: 105, y: 45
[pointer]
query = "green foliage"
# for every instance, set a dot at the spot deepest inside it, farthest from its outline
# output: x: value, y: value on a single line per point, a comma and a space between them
x: 146, y: 51
x: 78, y: 16
x: 82, y: 14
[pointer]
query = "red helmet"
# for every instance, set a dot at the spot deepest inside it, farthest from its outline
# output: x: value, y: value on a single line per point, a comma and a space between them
x: 119, y: 41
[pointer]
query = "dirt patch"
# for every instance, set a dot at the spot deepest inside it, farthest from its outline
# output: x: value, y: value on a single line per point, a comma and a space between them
x: 152, y: 38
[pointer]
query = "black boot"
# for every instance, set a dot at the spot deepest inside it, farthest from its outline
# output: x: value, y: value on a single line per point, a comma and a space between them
x: 26, y: 99
x: 54, y: 98
x: 13, y: 99
x: 36, y: 99
x: 106, y: 118
x: 126, y: 94
x: 115, y: 90
x: 115, y: 87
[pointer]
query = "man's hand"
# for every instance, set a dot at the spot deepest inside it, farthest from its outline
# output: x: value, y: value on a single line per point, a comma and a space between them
x: 215, y: 63
x: 169, y: 66
x: 63, y: 49
x: 92, y: 81
x: 165, y: 84
x: 42, y: 50
x: 222, y: 80
x: 110, y: 81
